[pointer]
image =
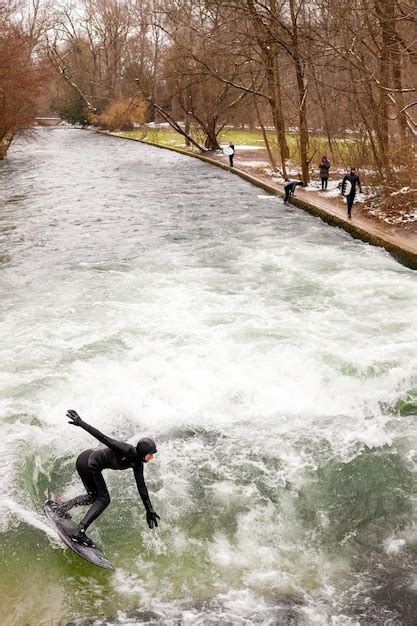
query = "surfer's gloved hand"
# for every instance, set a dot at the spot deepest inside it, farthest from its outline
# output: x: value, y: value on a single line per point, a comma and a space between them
x: 152, y: 518
x: 74, y: 417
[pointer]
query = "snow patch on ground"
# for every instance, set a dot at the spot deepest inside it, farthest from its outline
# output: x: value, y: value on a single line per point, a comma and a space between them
x: 245, y: 147
x: 254, y: 163
x: 332, y: 193
x: 402, y: 191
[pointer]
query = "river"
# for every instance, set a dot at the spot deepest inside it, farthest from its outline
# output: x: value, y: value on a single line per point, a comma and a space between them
x: 273, y: 359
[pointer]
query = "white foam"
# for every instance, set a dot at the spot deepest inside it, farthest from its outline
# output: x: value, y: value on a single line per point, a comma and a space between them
x: 26, y: 515
x: 394, y: 546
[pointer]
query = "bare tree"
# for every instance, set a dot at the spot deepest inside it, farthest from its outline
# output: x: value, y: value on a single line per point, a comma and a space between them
x: 20, y: 80
x: 193, y: 94
x: 302, y: 66
x: 371, y: 42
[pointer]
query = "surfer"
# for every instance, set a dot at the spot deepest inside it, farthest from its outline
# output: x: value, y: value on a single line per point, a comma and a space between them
x: 289, y: 188
x: 117, y: 455
x: 349, y: 189
x: 231, y: 154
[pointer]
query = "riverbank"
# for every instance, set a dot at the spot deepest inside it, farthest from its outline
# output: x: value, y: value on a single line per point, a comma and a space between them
x: 400, y: 240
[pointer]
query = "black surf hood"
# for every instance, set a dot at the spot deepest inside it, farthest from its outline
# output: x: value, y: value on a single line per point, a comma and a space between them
x: 145, y: 446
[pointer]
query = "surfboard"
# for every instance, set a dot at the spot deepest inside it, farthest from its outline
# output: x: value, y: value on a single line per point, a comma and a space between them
x: 347, y: 187
x: 228, y: 151
x: 65, y: 528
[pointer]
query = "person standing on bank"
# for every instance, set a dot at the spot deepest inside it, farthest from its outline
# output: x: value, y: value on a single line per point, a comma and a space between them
x: 232, y: 154
x: 324, y: 172
x: 117, y: 455
x: 349, y: 189
x: 289, y: 188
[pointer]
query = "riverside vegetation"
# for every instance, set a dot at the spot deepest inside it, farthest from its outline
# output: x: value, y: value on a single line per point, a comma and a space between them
x: 313, y: 77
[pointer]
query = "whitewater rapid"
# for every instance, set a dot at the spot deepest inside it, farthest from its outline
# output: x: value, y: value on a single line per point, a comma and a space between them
x: 272, y: 357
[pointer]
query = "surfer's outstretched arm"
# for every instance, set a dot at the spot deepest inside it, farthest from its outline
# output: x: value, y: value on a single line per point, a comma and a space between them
x: 119, y: 447
x: 151, y: 517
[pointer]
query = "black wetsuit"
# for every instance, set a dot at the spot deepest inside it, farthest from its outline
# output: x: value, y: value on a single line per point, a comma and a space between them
x: 289, y: 188
x: 354, y: 180
x: 231, y: 155
x: 117, y: 456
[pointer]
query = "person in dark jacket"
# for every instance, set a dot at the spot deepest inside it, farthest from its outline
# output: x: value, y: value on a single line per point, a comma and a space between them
x: 117, y: 455
x: 289, y: 188
x: 324, y: 171
x: 350, y: 180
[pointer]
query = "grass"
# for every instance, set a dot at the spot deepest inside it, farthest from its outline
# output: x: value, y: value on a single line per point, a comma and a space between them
x: 162, y: 136
x: 346, y: 149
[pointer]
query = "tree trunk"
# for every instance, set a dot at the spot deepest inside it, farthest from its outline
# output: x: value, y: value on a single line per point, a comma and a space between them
x: 188, y: 107
x: 302, y: 114
x: 5, y: 144
x: 211, y: 142
x: 280, y: 124
x: 187, y: 129
x: 386, y: 18
x: 302, y: 96
x: 277, y: 114
x: 264, y: 135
